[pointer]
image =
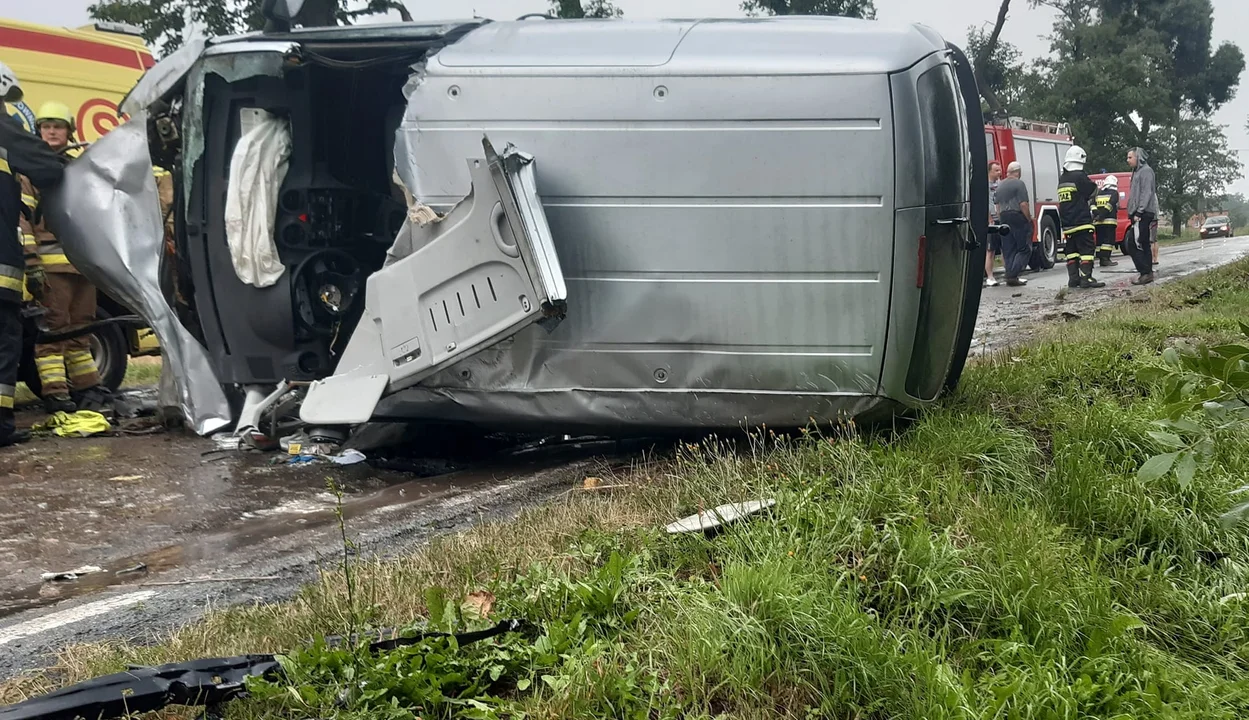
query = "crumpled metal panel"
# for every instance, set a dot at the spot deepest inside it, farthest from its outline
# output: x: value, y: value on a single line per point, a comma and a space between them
x: 477, y: 275
x: 107, y: 216
x: 163, y: 76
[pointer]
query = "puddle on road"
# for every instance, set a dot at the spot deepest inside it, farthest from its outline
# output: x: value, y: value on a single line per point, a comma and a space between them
x: 97, y: 519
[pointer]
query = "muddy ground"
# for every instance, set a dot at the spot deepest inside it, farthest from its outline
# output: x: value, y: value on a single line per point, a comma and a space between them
x: 151, y: 510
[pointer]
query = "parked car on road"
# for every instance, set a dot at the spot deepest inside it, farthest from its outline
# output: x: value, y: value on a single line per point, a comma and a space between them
x: 1217, y: 226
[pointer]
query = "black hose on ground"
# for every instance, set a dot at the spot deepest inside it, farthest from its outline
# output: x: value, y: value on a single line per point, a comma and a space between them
x: 128, y: 320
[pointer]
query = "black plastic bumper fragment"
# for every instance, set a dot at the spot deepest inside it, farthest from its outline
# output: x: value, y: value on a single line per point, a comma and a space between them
x: 208, y: 682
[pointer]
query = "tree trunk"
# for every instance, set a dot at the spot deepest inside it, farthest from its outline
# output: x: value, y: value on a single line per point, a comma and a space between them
x: 1177, y: 221
x: 986, y: 52
x: 571, y: 9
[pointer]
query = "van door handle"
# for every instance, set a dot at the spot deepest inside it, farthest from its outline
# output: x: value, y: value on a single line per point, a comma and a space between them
x: 951, y: 221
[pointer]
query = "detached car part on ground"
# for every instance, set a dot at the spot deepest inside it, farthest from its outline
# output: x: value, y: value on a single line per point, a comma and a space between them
x: 750, y: 227
x: 207, y: 683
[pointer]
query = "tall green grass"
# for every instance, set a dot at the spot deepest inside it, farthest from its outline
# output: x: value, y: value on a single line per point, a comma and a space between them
x: 997, y: 557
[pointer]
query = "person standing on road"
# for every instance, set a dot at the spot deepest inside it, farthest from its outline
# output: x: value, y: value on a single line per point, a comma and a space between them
x: 1016, y: 209
x: 1106, y: 218
x: 994, y: 246
x: 1143, y: 212
x: 67, y: 371
x: 20, y: 152
x: 1076, y: 191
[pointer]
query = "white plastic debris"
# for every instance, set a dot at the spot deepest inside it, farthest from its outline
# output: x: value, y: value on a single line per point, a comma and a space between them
x: 718, y: 516
x: 226, y: 441
x: 348, y: 457
x: 70, y: 574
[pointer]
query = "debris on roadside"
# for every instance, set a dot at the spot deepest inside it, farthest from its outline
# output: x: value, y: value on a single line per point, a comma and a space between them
x: 69, y: 575
x: 717, y: 517
x: 82, y: 423
x: 348, y: 457
x: 126, y: 478
x: 226, y: 441
x: 140, y: 568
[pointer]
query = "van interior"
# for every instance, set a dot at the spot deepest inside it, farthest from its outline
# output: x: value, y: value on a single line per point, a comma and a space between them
x: 338, y: 208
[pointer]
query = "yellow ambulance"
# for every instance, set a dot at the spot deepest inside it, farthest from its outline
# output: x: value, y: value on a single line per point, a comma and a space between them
x: 90, y: 69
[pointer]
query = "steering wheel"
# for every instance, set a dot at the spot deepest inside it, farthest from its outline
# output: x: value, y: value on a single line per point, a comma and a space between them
x: 326, y: 285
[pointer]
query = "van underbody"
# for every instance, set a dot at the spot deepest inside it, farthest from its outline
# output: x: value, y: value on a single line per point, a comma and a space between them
x: 611, y: 226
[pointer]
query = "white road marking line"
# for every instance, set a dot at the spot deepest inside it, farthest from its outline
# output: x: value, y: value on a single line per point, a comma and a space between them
x: 72, y: 615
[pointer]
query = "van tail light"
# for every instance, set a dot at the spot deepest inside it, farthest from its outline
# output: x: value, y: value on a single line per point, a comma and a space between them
x: 919, y: 276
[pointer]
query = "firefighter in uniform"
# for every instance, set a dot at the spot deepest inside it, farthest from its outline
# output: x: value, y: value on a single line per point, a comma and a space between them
x: 1106, y: 218
x: 1076, y: 191
x: 67, y: 369
x: 20, y: 152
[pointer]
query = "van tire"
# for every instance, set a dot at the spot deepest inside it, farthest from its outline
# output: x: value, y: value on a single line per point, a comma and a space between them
x: 1045, y: 252
x: 111, y: 352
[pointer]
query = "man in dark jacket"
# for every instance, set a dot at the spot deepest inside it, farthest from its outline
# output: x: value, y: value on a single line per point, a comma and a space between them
x: 20, y: 152
x: 1142, y: 211
x: 1076, y: 191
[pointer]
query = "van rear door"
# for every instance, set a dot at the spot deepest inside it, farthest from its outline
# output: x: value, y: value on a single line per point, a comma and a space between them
x: 940, y: 226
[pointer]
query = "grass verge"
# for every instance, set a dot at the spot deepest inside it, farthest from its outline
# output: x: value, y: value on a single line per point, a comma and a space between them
x: 998, y: 557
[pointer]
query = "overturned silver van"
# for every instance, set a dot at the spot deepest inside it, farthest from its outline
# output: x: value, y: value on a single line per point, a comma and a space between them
x: 636, y: 225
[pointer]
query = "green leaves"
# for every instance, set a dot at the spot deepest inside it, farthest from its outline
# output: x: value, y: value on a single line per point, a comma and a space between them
x: 844, y: 8
x: 1157, y: 466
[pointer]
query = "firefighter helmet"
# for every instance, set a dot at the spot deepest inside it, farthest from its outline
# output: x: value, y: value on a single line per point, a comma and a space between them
x: 55, y: 111
x: 10, y: 88
x: 1075, y: 158
x: 1111, y: 181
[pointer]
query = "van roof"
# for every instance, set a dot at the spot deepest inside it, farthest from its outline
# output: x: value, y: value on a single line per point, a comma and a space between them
x: 773, y: 45
x: 788, y: 45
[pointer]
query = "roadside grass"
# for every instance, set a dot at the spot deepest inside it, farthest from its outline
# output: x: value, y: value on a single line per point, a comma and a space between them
x: 142, y: 372
x: 996, y: 558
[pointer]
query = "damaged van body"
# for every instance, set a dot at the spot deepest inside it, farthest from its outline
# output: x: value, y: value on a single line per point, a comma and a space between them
x: 548, y: 225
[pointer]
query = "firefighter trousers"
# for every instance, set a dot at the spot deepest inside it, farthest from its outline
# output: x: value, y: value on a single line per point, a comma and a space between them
x: 67, y: 365
x: 1106, y: 240
x: 10, y: 358
x: 1081, y: 251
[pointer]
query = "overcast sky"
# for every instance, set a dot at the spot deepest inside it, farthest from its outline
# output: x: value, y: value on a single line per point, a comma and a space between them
x: 1025, y: 27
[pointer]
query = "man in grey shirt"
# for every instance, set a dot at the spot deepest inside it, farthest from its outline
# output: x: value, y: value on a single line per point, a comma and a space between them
x: 1142, y: 210
x: 1016, y: 210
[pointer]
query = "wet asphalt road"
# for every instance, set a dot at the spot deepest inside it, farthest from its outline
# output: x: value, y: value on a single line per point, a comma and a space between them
x: 1008, y: 314
x: 185, y: 511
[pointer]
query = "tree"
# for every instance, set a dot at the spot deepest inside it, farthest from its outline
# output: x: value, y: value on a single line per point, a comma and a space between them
x: 1001, y: 74
x: 162, y: 21
x: 1121, y: 69
x: 1194, y: 166
x: 985, y: 54
x: 577, y: 9
x: 845, y: 8
x: 1237, y: 208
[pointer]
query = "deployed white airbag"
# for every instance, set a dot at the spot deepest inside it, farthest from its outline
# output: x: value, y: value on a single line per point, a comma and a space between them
x: 257, y: 169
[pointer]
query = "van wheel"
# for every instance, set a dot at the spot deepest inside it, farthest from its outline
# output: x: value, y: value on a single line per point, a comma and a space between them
x: 1046, y: 249
x: 108, y: 347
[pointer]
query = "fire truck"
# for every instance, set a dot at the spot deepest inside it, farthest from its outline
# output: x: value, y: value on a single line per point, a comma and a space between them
x: 1039, y: 148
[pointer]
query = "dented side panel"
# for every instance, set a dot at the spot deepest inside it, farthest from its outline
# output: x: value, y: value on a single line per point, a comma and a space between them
x: 107, y: 216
